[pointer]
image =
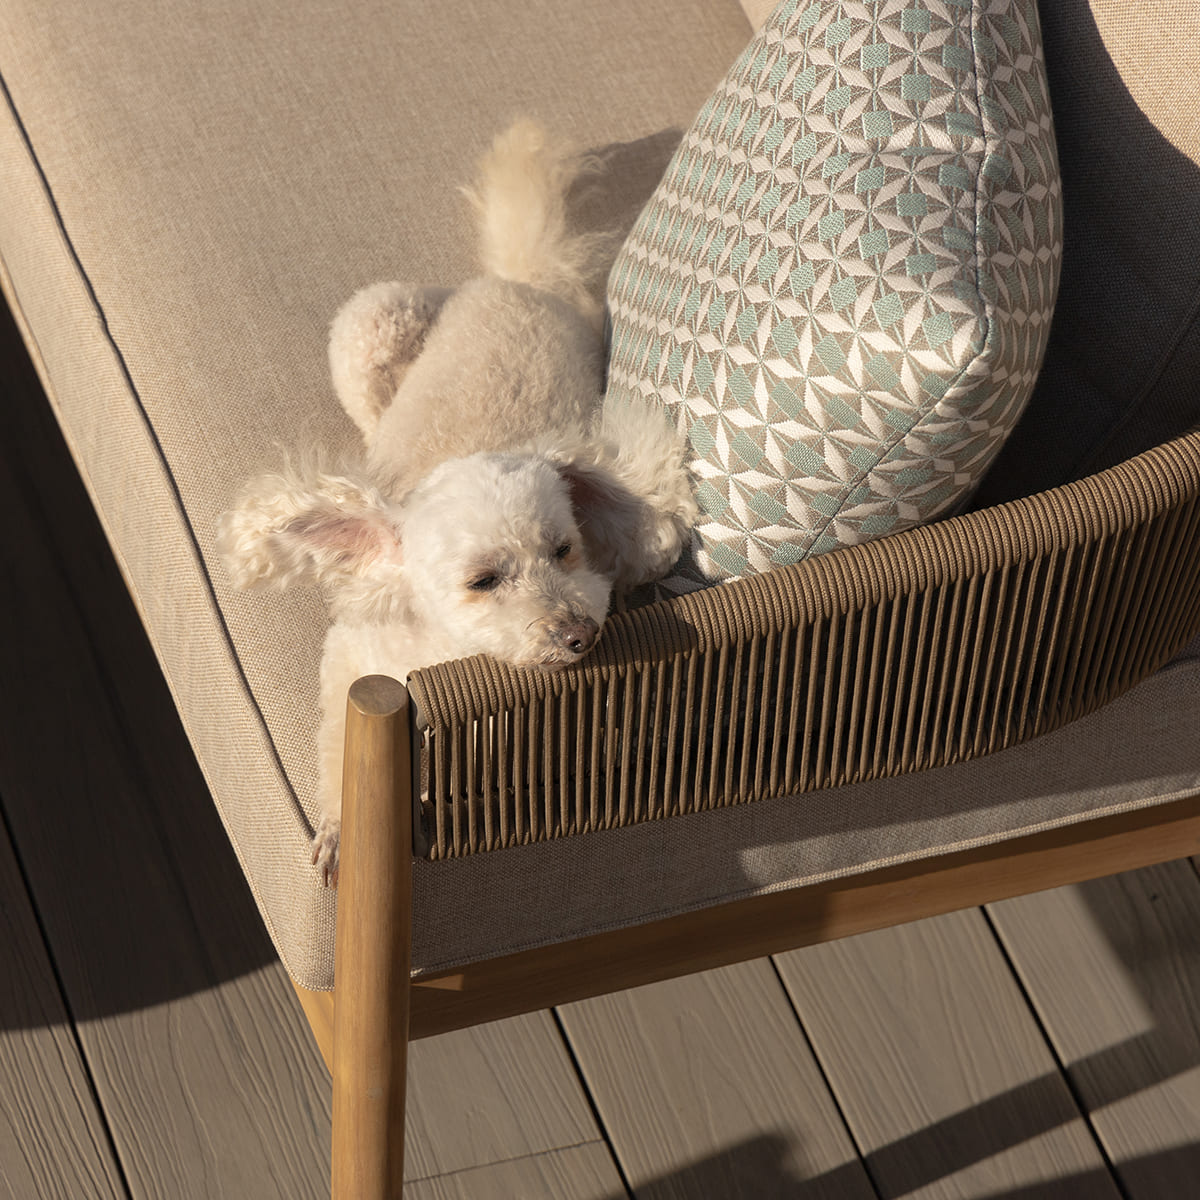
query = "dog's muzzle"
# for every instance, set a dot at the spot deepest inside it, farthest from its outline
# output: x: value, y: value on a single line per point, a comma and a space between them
x: 575, y: 637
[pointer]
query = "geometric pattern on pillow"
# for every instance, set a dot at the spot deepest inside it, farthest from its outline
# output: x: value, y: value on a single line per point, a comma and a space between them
x: 842, y: 287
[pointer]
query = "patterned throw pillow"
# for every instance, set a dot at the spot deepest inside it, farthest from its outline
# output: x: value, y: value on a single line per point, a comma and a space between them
x: 842, y: 287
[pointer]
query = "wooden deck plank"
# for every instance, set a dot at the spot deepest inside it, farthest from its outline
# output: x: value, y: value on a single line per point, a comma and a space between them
x: 194, y: 1038
x: 53, y: 1142
x: 1113, y: 970
x: 713, y: 1069
x: 573, y: 1173
x: 942, y: 1073
x: 485, y: 1096
x: 213, y: 1095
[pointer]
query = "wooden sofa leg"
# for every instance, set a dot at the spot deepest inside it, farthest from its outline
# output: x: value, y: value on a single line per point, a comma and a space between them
x: 374, y: 945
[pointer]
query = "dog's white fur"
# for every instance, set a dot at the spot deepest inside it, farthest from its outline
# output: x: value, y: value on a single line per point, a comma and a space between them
x: 501, y: 502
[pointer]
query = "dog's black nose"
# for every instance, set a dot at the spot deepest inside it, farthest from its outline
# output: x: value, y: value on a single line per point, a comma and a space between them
x: 578, y: 636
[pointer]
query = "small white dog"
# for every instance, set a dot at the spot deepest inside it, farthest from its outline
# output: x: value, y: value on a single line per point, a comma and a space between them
x: 501, y: 501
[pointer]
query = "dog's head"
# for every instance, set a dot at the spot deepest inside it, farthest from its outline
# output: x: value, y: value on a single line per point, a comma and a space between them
x: 485, y: 555
x: 509, y: 554
x: 496, y: 559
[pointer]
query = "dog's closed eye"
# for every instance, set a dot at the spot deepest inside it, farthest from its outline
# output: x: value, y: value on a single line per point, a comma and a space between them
x: 563, y: 550
x: 485, y: 583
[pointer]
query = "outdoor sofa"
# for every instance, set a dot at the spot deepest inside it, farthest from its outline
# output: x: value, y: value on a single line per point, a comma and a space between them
x: 1002, y: 700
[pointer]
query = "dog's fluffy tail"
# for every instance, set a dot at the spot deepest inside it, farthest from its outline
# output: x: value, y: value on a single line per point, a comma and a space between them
x: 521, y: 201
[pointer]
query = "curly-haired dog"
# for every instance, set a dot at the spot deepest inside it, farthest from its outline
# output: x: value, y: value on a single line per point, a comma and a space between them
x: 501, y: 501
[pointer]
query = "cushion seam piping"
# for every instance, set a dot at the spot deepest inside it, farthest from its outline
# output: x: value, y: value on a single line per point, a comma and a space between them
x: 927, y: 409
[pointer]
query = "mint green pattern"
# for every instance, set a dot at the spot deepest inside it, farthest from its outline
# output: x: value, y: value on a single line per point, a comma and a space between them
x: 842, y: 287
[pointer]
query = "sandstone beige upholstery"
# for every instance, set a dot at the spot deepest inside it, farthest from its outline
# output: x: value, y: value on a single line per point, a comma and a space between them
x: 188, y: 196
x: 185, y: 199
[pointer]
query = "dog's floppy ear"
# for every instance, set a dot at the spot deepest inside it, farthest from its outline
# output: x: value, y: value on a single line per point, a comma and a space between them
x: 323, y: 529
x: 632, y: 493
x: 609, y: 517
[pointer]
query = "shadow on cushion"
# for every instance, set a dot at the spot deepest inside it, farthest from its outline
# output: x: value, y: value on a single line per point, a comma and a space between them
x: 1122, y: 366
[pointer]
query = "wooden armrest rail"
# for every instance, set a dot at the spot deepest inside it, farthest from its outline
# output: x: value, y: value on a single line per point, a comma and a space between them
x: 785, y: 920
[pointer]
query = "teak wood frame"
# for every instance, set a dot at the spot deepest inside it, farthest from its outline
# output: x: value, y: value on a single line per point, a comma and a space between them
x: 364, y: 1025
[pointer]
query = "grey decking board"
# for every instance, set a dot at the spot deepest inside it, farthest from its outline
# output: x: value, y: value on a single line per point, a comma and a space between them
x: 573, y: 1173
x: 497, y: 1092
x: 1113, y: 970
x: 207, y: 1094
x: 53, y: 1141
x: 941, y: 1070
x: 713, y: 1069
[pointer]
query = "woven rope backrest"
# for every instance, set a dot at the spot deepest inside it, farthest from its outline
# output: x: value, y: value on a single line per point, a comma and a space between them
x: 918, y: 650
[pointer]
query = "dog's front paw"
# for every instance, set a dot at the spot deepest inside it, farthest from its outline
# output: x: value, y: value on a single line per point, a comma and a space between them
x: 325, y: 849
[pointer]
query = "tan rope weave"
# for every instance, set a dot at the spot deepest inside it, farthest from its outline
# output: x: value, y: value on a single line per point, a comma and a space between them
x: 917, y: 650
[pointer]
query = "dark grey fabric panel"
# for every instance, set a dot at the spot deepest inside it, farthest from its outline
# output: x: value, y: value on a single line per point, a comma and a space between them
x: 1122, y: 370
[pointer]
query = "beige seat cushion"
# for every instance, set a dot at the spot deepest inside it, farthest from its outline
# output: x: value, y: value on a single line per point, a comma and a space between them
x: 185, y: 203
x: 188, y: 196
